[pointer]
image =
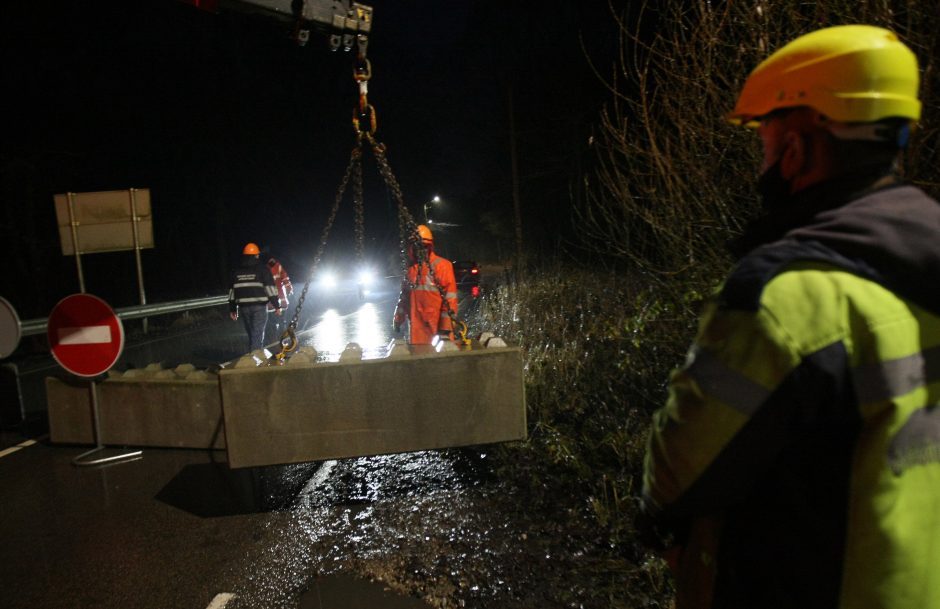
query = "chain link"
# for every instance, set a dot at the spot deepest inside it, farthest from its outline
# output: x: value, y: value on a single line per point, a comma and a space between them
x: 360, y: 214
x: 355, y: 165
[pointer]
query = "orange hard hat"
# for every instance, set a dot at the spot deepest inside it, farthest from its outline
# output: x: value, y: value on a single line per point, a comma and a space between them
x: 425, y: 233
x: 251, y: 250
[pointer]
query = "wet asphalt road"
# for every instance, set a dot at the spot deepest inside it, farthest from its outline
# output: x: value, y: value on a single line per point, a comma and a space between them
x: 178, y: 528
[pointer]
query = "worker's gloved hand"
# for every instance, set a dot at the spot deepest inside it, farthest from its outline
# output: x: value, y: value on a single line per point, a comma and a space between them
x: 278, y: 312
x: 233, y: 315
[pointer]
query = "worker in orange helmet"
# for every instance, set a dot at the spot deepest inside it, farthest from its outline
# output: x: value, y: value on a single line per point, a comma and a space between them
x: 251, y: 292
x: 420, y: 301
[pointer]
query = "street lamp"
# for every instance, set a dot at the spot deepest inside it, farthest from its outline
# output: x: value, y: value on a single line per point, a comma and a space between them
x: 433, y: 201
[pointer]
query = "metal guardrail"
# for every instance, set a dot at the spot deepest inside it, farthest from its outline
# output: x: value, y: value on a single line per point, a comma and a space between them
x: 38, y: 326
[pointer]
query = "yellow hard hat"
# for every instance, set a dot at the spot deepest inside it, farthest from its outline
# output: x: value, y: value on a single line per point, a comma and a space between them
x: 425, y: 233
x: 850, y: 73
x: 251, y: 250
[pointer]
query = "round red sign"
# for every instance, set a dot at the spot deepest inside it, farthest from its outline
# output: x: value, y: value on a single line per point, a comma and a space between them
x: 86, y: 337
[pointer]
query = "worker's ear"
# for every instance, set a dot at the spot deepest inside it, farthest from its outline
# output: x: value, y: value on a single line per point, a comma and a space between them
x: 794, y: 160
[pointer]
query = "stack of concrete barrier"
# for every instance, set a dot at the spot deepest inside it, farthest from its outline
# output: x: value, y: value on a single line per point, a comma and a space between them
x: 302, y: 409
x: 150, y: 406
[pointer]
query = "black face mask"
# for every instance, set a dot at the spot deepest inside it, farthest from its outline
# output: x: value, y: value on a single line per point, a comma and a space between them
x: 773, y: 188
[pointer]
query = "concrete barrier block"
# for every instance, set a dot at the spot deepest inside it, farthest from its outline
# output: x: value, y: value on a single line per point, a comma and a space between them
x: 138, y: 411
x: 304, y: 356
x: 396, y: 348
x: 69, y: 409
x: 352, y: 353
x: 183, y: 370
x: 251, y: 360
x: 337, y: 410
x: 134, y: 373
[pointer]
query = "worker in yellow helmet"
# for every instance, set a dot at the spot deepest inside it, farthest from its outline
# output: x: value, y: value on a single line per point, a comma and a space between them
x: 252, y: 291
x: 428, y: 292
x: 796, y: 462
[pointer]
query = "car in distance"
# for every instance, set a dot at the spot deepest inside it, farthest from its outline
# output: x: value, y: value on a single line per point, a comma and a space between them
x: 467, y: 274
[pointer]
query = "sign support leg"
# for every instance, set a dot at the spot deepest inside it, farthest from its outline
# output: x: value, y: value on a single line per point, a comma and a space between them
x: 73, y: 225
x: 135, y: 220
x: 97, y: 428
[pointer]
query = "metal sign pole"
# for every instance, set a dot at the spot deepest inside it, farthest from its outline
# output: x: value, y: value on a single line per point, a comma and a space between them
x: 74, y: 227
x: 140, y: 267
x: 99, y: 446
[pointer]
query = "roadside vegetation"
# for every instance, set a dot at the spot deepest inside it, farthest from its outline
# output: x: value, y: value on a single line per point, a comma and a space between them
x: 671, y: 186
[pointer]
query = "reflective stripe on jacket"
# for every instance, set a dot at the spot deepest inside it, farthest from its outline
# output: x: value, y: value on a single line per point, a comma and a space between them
x: 807, y: 416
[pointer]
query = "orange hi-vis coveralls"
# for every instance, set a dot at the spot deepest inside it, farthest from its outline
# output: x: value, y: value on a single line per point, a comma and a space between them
x: 424, y: 306
x: 281, y: 282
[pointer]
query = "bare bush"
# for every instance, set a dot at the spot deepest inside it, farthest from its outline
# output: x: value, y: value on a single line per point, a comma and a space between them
x: 674, y: 181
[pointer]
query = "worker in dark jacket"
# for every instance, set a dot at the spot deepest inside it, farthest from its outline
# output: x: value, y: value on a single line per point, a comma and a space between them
x: 797, y: 460
x: 252, y: 291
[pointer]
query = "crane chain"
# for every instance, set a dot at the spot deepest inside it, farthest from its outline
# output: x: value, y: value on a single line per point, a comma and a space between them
x: 409, y: 232
x: 289, y: 337
x: 359, y: 212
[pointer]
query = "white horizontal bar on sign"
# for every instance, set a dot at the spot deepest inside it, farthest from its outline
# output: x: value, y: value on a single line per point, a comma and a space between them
x: 87, y: 335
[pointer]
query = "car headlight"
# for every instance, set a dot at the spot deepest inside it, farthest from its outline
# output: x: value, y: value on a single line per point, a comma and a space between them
x: 366, y: 277
x: 328, y: 280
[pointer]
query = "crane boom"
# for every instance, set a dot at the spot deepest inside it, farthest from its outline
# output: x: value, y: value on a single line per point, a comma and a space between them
x: 348, y: 23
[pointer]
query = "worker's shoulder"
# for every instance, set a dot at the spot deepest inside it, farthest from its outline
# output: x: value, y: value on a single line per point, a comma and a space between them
x: 745, y: 286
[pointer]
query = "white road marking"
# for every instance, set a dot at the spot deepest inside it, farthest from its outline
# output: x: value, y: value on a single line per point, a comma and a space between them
x: 220, y: 600
x: 86, y: 335
x: 13, y: 449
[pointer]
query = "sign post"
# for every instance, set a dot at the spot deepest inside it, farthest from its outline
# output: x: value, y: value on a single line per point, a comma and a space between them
x: 86, y: 338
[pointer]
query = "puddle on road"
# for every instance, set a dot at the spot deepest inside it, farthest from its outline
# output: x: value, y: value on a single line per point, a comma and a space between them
x: 365, y: 327
x: 365, y: 480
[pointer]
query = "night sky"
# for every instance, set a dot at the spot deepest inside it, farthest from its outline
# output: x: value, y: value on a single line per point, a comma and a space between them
x: 241, y: 135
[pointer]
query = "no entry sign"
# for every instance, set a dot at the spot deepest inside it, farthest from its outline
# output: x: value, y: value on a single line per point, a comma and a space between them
x: 85, y: 335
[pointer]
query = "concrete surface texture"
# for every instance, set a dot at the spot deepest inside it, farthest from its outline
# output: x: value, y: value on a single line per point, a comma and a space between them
x: 278, y: 415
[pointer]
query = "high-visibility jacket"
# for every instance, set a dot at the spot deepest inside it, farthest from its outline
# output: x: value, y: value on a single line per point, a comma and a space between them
x: 805, y: 422
x: 252, y: 285
x: 423, y: 304
x: 281, y: 283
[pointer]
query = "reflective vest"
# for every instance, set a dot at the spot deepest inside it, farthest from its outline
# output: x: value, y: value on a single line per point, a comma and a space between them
x: 423, y: 304
x: 252, y: 285
x: 806, y: 418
